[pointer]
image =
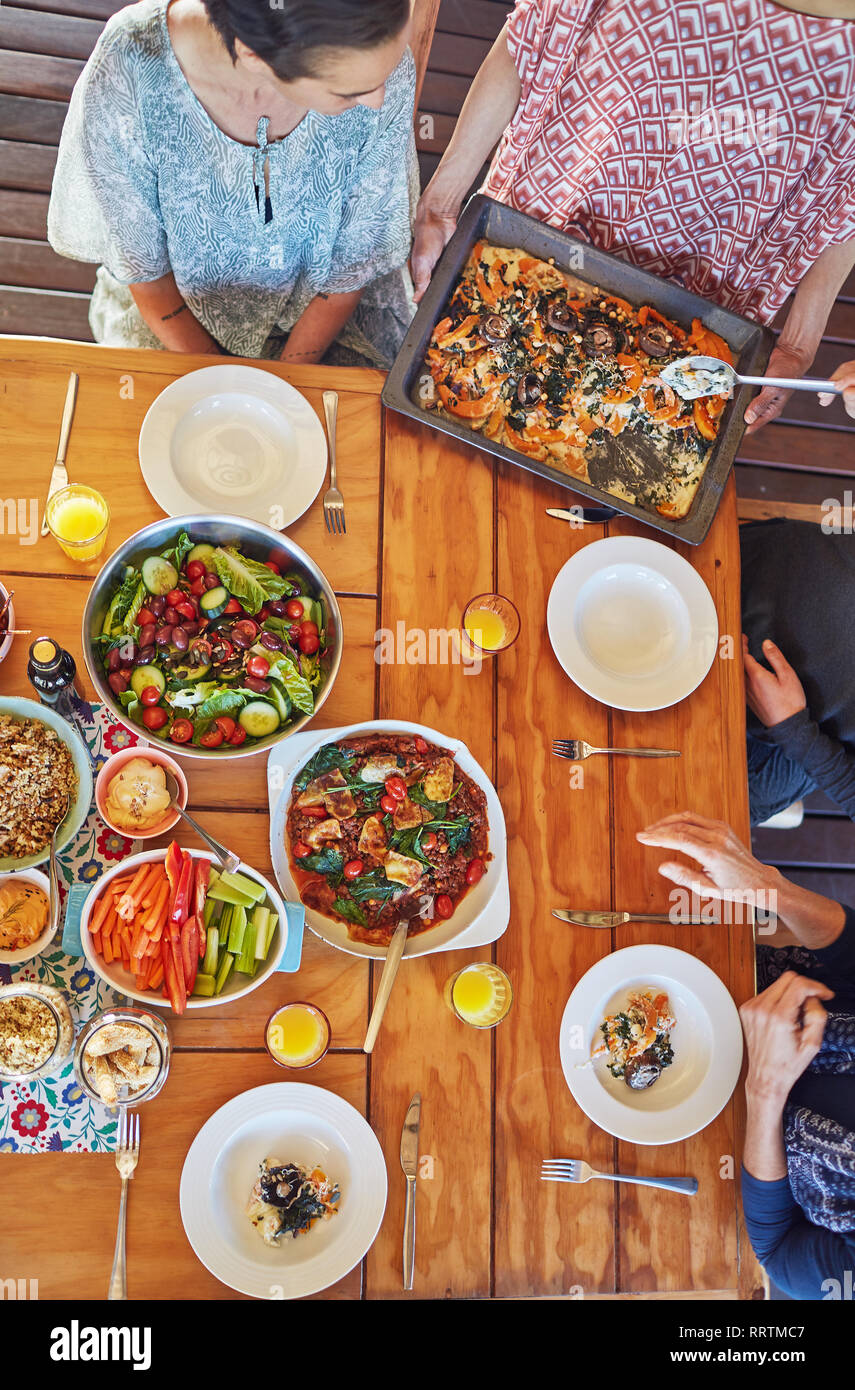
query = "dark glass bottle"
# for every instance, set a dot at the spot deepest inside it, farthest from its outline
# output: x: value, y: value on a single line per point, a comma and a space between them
x: 53, y: 674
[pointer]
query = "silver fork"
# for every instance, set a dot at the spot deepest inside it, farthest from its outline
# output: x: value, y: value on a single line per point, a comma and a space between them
x: 576, y: 749
x: 576, y: 1170
x: 333, y: 500
x: 127, y: 1154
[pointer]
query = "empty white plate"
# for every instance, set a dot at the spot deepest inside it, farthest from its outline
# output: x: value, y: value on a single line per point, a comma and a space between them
x: 706, y: 1039
x: 632, y: 623
x: 233, y: 439
x: 294, y: 1123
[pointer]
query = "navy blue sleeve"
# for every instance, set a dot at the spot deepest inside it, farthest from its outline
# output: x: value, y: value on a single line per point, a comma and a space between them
x: 799, y: 1257
x: 824, y: 759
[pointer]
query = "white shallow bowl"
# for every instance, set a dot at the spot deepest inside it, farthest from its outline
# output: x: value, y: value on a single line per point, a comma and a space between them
x: 233, y: 439
x: 478, y: 900
x: 707, y: 1043
x: 121, y: 979
x: 632, y: 623
x: 42, y: 942
x: 296, y: 1123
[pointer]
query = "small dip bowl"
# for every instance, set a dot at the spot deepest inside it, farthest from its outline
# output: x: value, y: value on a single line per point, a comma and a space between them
x: 115, y: 764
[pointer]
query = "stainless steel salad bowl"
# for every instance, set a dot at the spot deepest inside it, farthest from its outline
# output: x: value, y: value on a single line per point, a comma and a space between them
x: 258, y: 542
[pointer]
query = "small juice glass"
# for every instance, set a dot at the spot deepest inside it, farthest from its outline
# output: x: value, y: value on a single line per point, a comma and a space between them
x: 491, y: 624
x: 297, y: 1035
x: 78, y: 518
x: 480, y: 994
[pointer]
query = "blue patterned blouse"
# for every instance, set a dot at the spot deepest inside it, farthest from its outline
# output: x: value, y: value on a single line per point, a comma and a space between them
x: 146, y: 183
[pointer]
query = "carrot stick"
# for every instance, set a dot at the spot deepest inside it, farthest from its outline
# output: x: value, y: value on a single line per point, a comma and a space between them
x: 107, y: 947
x: 155, y: 979
x: 102, y: 907
x: 140, y: 876
x: 157, y: 905
x: 96, y: 941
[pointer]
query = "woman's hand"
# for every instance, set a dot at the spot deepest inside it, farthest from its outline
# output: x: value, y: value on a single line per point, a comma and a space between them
x: 783, y: 1030
x: 784, y: 361
x: 434, y: 226
x: 728, y: 870
x: 846, y: 375
x: 772, y: 695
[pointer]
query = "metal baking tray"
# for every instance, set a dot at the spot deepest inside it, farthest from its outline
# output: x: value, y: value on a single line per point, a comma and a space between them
x: 484, y: 218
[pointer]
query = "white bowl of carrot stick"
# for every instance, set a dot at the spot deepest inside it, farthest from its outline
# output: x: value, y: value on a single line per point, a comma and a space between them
x: 124, y: 919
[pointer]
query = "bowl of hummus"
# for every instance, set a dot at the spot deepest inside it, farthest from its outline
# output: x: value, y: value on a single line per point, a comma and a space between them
x: 131, y: 794
x: 25, y: 929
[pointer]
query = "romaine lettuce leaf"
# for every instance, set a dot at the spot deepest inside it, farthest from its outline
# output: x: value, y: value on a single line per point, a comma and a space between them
x: 120, y: 603
x: 241, y: 582
x: 273, y: 585
x: 297, y: 687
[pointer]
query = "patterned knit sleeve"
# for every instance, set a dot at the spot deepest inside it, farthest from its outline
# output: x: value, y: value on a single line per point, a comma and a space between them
x: 104, y: 201
x: 375, y: 233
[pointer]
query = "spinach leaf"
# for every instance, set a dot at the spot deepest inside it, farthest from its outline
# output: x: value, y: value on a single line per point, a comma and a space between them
x: 373, y: 885
x: 457, y: 832
x: 408, y: 842
x: 326, y: 758
x: 327, y: 862
x: 350, y: 911
x: 437, y: 808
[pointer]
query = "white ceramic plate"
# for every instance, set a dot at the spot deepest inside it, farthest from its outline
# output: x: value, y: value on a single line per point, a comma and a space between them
x: 294, y: 1123
x: 233, y: 439
x: 707, y: 1043
x: 632, y: 623
x: 477, y: 901
x: 237, y: 984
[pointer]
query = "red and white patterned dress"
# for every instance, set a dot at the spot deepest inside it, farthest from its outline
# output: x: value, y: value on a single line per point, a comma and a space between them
x: 710, y: 141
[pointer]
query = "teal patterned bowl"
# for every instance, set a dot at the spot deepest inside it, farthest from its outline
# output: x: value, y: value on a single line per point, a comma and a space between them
x: 82, y: 802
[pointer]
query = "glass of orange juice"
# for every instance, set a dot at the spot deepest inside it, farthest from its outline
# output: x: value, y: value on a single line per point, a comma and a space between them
x: 491, y: 623
x: 480, y: 994
x: 78, y: 518
x: 297, y: 1035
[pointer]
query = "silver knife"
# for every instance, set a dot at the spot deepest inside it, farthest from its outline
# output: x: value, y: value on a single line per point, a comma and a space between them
x: 583, y: 516
x: 619, y: 919
x: 59, y: 476
x: 410, y: 1165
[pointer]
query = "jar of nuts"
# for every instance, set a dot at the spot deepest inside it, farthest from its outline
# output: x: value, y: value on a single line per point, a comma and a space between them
x: 36, y: 1030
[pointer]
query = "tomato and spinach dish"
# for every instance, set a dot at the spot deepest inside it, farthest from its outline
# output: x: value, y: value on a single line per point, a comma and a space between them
x: 201, y: 644
x: 569, y: 375
x: 384, y: 826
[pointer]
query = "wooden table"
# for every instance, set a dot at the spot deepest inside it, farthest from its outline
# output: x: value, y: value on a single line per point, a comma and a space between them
x: 430, y: 523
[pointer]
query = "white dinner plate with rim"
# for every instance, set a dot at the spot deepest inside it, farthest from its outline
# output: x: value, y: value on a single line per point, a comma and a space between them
x: 236, y: 440
x: 632, y: 623
x: 295, y: 1123
x: 706, y: 1040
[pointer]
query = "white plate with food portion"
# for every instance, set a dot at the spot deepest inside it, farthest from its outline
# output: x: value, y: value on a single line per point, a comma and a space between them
x: 632, y: 623
x: 233, y: 439
x: 371, y: 862
x: 651, y: 1044
x: 283, y: 1191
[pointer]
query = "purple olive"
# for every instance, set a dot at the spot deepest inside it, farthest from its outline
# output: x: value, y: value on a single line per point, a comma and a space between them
x: 241, y: 639
x: 180, y: 640
x: 190, y: 628
x: 129, y: 654
x: 170, y: 616
x: 145, y: 656
x: 114, y: 659
x: 278, y: 608
x: 118, y: 682
x: 163, y: 636
x: 271, y: 642
x: 211, y: 581
x: 156, y: 605
x: 254, y: 683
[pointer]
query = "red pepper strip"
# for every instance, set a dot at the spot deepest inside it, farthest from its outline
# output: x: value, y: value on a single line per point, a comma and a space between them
x: 190, y: 952
x: 173, y: 979
x: 200, y: 887
x: 172, y: 864
x: 178, y: 912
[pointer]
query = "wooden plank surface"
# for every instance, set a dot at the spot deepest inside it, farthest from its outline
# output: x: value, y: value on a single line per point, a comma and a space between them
x: 30, y: 74
x: 62, y: 36
x: 27, y: 166
x: 36, y: 264
x: 30, y: 118
x: 55, y: 311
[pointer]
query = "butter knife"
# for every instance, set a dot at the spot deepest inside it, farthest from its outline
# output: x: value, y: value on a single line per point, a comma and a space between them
x: 619, y: 919
x: 583, y: 516
x: 59, y: 476
x: 410, y: 1165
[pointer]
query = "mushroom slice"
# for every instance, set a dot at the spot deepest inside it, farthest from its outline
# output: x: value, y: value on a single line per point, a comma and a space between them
x: 439, y: 781
x: 321, y: 831
x: 399, y: 868
x: 372, y: 840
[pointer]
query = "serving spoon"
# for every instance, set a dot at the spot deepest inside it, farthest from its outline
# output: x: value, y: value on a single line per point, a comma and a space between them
x: 53, y: 877
x: 713, y: 377
x: 229, y: 862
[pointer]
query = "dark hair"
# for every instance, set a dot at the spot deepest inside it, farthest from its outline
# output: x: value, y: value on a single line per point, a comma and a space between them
x: 287, y: 33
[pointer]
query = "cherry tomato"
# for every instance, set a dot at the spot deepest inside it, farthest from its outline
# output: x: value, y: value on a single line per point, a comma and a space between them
x: 196, y: 570
x: 154, y: 717
x: 150, y: 695
x: 444, y: 906
x: 233, y: 606
x: 397, y: 787
x: 181, y: 731
x: 420, y: 744
x: 248, y: 628
x: 308, y: 643
x: 293, y: 609
x: 238, y: 737
x: 174, y: 597
x: 257, y: 666
x: 212, y: 739
x: 353, y: 868
x: 186, y: 609
x: 198, y: 587
x: 145, y: 616
x: 301, y: 850
x: 429, y: 840
x: 308, y: 628
x: 226, y: 725
x: 314, y: 812
x: 389, y: 804
x: 474, y: 870
x: 269, y: 564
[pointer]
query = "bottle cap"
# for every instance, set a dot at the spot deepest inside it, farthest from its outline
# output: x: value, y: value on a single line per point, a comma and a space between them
x: 43, y: 651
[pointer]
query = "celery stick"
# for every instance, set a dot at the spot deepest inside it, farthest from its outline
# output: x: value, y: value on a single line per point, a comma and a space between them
x: 237, y: 930
x: 259, y: 917
x: 246, y: 961
x: 212, y: 951
x: 205, y: 984
x: 223, y: 973
x: 222, y: 892
x: 272, y: 923
x: 211, y: 912
x: 248, y: 887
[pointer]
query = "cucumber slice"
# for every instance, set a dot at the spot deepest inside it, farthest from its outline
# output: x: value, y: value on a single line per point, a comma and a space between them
x: 259, y: 719
x: 213, y: 601
x: 143, y: 676
x: 282, y: 700
x: 201, y: 552
x: 159, y: 576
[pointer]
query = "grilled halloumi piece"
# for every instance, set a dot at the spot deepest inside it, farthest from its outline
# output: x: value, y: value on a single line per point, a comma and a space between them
x: 439, y: 782
x: 330, y: 790
x: 408, y: 814
x: 399, y: 868
x: 378, y: 767
x: 372, y: 839
x: 321, y: 832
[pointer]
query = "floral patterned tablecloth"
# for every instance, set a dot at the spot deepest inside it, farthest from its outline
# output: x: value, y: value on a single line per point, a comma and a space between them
x: 52, y: 1112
